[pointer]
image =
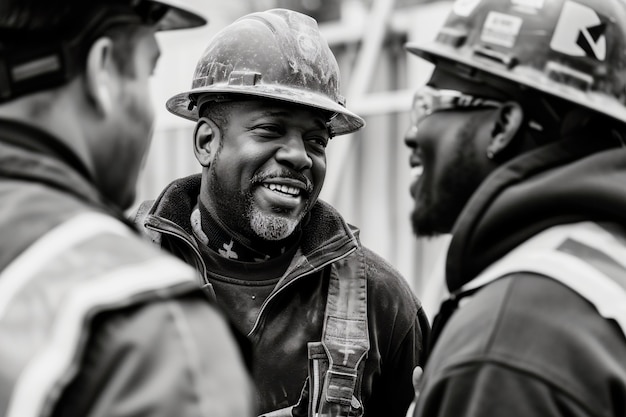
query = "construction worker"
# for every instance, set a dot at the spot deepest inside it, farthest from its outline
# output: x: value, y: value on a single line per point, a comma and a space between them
x: 335, y: 329
x: 518, y: 149
x: 94, y: 321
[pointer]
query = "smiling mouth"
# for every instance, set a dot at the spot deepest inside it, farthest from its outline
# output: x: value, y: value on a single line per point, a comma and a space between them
x: 286, y: 190
x: 417, y: 171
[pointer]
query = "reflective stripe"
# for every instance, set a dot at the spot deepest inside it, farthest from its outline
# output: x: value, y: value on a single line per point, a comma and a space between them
x: 40, y: 381
x: 50, y: 245
x: 577, y: 269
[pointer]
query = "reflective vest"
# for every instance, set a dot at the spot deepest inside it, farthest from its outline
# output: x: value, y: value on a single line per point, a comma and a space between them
x: 586, y: 257
x: 48, y: 295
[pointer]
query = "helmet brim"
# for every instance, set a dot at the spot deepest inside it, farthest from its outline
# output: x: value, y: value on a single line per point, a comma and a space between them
x: 179, y: 16
x: 435, y: 52
x: 343, y: 123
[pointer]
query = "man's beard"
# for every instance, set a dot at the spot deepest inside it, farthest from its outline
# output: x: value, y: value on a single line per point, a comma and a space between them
x: 432, y: 215
x: 239, y: 212
x: 270, y: 226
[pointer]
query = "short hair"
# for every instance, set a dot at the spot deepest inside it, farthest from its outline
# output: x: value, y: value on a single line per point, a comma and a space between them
x: 218, y: 112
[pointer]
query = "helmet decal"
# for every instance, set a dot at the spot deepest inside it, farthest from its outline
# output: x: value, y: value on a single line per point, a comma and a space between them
x: 501, y: 29
x: 580, y: 32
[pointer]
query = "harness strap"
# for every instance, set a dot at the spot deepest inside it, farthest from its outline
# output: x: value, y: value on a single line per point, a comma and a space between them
x: 345, y: 335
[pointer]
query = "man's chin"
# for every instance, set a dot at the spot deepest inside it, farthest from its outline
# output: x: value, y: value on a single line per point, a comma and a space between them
x: 273, y: 226
x: 425, y: 226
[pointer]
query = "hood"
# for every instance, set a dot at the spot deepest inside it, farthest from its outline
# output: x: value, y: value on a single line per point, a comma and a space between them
x: 564, y: 182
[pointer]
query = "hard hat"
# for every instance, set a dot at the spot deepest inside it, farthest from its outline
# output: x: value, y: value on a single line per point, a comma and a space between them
x: 569, y: 49
x: 39, y: 51
x: 277, y: 54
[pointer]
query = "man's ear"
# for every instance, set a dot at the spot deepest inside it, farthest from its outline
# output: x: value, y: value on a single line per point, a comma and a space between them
x: 508, y: 121
x: 101, y: 75
x: 206, y: 137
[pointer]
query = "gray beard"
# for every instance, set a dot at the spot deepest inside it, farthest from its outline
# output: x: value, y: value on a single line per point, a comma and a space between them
x: 271, y: 227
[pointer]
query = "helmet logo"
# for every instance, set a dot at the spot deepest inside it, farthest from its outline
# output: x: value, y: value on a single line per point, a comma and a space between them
x: 579, y: 32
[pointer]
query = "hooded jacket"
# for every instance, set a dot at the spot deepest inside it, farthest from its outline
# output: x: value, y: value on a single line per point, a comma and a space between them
x: 90, y: 314
x: 293, y: 313
x: 525, y: 344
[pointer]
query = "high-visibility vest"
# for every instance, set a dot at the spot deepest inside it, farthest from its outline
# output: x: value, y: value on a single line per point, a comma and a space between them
x: 48, y: 295
x: 587, y: 257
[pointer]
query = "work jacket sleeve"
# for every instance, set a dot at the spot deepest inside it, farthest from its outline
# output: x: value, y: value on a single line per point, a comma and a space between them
x: 395, y: 392
x: 168, y: 358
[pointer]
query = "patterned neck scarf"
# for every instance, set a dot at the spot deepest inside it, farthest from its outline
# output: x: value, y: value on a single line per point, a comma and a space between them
x: 215, y: 236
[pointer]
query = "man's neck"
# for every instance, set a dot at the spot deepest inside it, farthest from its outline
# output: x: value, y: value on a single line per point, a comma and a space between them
x: 213, y: 233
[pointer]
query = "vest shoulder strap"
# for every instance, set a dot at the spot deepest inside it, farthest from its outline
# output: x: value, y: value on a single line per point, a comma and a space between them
x: 587, y: 257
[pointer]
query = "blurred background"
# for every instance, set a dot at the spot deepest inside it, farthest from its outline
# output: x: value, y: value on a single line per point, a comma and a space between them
x: 368, y: 171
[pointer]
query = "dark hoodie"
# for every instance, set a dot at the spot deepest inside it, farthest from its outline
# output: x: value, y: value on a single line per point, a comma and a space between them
x: 526, y: 345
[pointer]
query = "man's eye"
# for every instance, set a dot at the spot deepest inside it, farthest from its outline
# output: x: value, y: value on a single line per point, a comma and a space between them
x: 319, y: 141
x: 273, y: 129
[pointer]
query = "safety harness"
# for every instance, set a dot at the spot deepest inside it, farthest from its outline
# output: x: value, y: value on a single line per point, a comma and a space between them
x: 336, y: 362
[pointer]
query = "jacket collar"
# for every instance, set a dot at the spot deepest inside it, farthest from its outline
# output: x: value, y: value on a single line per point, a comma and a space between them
x: 325, y: 234
x: 30, y: 154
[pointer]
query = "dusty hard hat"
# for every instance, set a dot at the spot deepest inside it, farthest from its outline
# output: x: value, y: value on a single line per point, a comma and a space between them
x: 574, y: 50
x: 277, y: 54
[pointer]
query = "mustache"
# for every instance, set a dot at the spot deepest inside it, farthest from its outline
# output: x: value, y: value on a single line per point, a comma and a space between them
x: 265, y: 176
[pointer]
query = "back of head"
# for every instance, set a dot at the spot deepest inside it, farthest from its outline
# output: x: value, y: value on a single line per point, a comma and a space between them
x: 42, y: 42
x: 277, y: 54
x: 570, y: 51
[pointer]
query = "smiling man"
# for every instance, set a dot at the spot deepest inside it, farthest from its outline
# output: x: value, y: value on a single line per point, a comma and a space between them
x: 335, y: 329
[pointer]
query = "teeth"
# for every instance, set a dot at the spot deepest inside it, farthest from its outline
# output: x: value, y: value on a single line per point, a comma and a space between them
x: 286, y: 189
x: 417, y: 171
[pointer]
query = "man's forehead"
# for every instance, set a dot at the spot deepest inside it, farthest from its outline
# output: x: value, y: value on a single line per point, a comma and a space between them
x: 276, y: 108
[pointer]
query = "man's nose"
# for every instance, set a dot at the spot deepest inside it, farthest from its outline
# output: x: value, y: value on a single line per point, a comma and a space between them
x: 410, y: 137
x: 293, y: 152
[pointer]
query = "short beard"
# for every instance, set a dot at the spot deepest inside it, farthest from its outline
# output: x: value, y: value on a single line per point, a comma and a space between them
x: 435, y: 216
x: 271, y: 227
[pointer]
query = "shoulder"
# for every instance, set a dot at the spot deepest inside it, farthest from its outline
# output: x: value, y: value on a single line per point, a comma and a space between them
x: 386, y: 283
x: 533, y: 325
x: 129, y: 359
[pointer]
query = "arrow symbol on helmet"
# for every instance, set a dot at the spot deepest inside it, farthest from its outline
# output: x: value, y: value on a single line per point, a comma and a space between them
x: 580, y: 32
x: 592, y: 41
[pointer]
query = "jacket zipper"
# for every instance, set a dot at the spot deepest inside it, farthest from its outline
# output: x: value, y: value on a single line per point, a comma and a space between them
x: 297, y: 277
x: 273, y: 295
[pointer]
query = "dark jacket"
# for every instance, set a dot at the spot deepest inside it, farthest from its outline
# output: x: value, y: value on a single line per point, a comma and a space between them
x: 525, y: 344
x: 90, y: 314
x: 293, y: 313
